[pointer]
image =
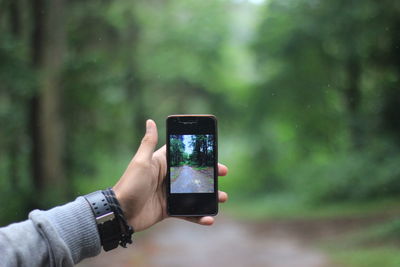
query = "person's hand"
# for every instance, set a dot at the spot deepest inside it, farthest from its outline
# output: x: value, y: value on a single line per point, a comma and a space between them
x: 141, y: 191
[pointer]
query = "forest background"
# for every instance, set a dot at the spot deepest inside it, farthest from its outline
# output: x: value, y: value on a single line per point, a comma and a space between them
x: 307, y: 94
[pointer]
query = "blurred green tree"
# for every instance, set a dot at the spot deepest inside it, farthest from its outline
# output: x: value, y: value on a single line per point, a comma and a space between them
x: 319, y: 82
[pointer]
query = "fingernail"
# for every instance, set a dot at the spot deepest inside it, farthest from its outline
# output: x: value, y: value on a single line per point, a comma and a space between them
x: 148, y: 125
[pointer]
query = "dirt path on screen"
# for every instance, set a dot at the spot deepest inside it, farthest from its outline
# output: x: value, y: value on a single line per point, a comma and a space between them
x: 190, y: 180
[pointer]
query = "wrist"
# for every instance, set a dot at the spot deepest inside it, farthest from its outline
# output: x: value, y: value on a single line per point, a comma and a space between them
x: 123, y: 201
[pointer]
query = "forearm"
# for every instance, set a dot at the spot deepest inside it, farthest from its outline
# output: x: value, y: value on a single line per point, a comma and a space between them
x: 61, y: 236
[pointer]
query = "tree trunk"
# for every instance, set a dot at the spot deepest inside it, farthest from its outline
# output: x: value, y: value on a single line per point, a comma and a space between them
x: 206, y: 152
x: 50, y: 109
x: 15, y: 18
x: 37, y: 38
x: 134, y: 84
x: 14, y: 145
x: 353, y: 99
x: 390, y: 105
x: 47, y: 125
x: 135, y: 92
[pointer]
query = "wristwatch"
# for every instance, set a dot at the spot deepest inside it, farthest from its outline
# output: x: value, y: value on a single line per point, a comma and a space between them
x: 106, y: 220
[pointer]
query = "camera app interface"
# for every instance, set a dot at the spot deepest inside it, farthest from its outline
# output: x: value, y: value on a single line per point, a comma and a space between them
x: 192, y: 163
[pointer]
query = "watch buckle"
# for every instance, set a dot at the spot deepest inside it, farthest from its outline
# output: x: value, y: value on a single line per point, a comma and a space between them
x: 105, y: 218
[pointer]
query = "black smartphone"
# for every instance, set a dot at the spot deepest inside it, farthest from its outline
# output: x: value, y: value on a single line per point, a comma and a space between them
x: 192, y: 170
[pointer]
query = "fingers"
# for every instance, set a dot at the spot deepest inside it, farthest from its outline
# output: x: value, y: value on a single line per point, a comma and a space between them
x: 149, y: 141
x: 222, y: 196
x: 222, y: 170
x: 206, y: 220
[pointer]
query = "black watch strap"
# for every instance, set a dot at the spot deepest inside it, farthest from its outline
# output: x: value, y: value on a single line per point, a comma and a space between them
x: 107, y: 223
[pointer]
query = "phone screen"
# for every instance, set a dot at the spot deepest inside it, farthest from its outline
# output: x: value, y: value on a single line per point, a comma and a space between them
x: 192, y: 163
x: 192, y: 185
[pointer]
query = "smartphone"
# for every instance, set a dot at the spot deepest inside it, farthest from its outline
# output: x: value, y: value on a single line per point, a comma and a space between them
x: 192, y: 158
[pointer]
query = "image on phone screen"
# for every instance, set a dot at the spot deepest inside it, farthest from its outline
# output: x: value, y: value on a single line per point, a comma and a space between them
x: 192, y: 163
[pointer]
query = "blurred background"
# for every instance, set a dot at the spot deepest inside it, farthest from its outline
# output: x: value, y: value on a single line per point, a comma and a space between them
x: 307, y: 93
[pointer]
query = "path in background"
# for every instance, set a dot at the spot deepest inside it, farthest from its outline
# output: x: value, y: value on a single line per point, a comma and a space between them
x: 176, y: 243
x: 191, y: 180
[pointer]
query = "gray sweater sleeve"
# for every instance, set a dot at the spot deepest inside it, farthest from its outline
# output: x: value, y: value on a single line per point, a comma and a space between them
x: 62, y: 236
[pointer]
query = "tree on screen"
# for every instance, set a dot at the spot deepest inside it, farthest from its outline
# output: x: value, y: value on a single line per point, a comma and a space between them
x: 177, y: 148
x: 202, y: 155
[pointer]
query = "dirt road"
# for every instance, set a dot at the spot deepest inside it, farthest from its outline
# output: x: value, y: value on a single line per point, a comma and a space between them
x: 190, y: 180
x: 176, y: 243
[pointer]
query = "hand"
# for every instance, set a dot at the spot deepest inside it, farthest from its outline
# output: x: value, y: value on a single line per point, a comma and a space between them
x: 141, y: 191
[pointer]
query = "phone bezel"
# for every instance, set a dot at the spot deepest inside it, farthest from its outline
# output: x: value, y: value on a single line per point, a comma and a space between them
x: 192, y: 204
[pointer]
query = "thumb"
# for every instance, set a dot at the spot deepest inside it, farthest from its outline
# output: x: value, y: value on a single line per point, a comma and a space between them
x: 149, y: 141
